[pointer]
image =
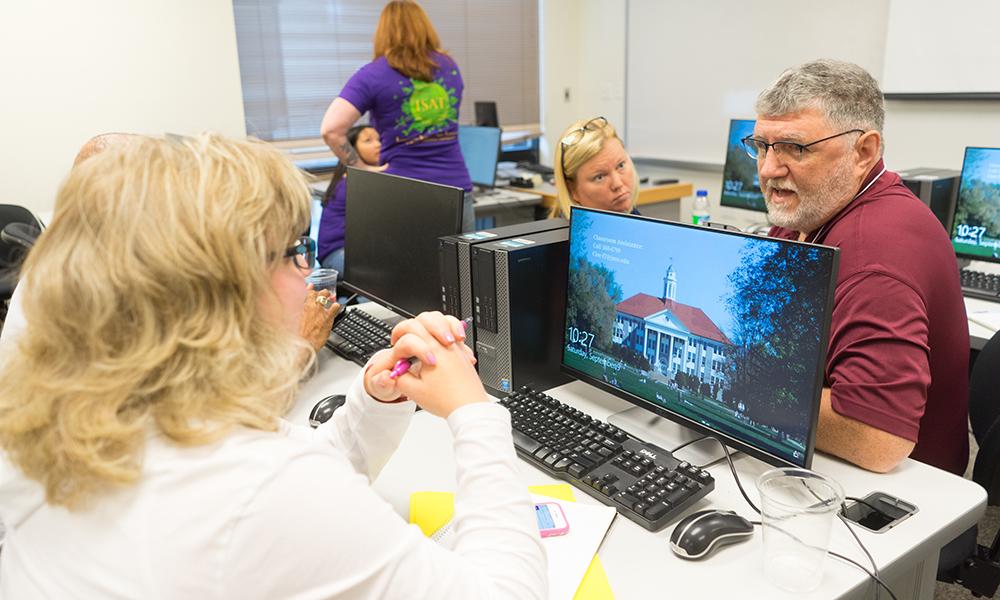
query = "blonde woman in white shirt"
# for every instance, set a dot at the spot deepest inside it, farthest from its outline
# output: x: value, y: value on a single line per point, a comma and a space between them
x: 144, y: 450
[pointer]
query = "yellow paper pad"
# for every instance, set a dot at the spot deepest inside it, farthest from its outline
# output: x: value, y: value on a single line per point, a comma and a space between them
x: 432, y: 510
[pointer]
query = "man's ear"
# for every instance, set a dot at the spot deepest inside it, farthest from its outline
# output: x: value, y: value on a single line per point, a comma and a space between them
x: 869, y: 151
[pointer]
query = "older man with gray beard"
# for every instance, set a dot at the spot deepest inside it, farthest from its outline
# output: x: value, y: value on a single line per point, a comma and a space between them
x: 896, y: 377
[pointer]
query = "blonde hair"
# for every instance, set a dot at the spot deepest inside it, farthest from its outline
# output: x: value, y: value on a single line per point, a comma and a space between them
x: 149, y: 309
x: 574, y: 157
x: 407, y: 39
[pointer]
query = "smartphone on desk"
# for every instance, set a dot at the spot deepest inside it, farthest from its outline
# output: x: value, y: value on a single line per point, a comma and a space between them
x: 551, y: 519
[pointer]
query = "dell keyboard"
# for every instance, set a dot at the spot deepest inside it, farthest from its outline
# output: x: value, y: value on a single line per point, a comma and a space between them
x: 358, y: 335
x: 641, y: 481
x: 978, y: 284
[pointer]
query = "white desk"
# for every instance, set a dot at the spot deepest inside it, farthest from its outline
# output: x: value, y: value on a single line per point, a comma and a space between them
x: 984, y: 321
x: 636, y: 560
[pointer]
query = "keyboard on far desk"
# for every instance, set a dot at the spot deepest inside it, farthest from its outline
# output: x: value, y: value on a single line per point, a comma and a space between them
x: 979, y: 284
x: 358, y: 335
x: 536, y: 168
x: 641, y: 481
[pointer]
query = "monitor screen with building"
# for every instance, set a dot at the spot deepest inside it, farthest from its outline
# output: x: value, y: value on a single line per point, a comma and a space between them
x: 725, y: 333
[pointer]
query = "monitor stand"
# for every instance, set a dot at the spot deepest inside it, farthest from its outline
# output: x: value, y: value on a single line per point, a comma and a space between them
x: 666, y: 434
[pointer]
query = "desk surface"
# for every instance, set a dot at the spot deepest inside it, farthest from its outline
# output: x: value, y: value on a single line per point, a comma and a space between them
x: 984, y: 321
x: 636, y: 560
x: 307, y: 149
x: 648, y: 194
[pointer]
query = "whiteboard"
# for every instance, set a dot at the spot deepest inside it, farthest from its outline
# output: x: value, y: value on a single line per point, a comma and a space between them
x: 942, y: 48
x: 693, y: 66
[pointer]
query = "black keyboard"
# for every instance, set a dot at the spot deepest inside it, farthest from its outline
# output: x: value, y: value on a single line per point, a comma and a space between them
x: 978, y: 284
x: 357, y: 335
x: 536, y: 168
x: 641, y: 481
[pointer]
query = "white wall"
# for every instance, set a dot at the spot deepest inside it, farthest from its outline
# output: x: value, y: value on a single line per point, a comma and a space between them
x: 71, y: 69
x: 917, y: 134
x: 583, y: 51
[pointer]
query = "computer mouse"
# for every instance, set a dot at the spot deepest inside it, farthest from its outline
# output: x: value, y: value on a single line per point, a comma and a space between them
x: 323, y: 410
x: 699, y: 534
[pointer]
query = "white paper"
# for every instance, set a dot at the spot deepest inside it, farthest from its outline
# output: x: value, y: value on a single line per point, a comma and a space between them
x: 568, y: 555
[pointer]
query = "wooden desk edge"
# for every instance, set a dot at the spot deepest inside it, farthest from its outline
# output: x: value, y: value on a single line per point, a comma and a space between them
x: 647, y: 194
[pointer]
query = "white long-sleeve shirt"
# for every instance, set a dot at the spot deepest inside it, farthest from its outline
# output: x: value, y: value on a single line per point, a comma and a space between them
x: 286, y: 514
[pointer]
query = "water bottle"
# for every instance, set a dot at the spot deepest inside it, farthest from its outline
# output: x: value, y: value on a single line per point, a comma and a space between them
x: 699, y: 216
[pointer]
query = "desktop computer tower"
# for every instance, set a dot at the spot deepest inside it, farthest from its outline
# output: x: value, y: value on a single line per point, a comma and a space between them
x: 519, y: 295
x: 455, y: 259
x: 937, y: 188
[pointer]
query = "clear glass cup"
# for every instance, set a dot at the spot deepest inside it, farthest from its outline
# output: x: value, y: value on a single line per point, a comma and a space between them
x: 324, y: 279
x: 798, y: 508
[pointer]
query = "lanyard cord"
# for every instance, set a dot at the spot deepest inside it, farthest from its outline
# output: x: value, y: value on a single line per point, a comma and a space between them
x: 822, y: 230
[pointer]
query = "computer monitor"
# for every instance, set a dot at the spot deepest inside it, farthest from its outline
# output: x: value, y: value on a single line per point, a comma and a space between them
x: 975, y: 230
x: 481, y: 149
x: 740, y: 185
x: 486, y: 114
x: 724, y: 333
x: 390, y: 245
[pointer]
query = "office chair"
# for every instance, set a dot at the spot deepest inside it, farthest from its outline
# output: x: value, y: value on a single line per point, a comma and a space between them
x: 19, y: 230
x: 963, y: 561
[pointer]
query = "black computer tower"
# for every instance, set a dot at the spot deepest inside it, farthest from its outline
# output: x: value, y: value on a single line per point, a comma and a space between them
x: 519, y: 295
x: 937, y: 188
x: 455, y: 260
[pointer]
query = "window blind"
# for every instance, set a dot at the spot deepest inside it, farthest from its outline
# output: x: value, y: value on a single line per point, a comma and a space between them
x: 296, y: 55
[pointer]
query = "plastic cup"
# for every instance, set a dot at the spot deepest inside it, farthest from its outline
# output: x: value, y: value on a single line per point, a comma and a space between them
x: 798, y: 508
x: 324, y: 279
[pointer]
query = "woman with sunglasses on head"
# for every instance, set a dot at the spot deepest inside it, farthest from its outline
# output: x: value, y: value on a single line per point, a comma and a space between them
x: 593, y: 170
x: 365, y: 141
x: 144, y: 450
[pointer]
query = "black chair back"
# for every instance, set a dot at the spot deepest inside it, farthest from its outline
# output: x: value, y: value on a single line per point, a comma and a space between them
x: 984, y: 415
x: 11, y: 252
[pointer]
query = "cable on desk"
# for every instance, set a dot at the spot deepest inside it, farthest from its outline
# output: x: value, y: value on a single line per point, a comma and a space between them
x: 871, y: 559
x: 736, y: 477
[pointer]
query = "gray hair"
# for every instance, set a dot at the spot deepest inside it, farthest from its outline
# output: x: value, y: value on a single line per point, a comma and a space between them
x: 845, y: 93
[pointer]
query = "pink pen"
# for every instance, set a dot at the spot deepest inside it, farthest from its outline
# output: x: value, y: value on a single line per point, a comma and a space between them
x: 402, y: 366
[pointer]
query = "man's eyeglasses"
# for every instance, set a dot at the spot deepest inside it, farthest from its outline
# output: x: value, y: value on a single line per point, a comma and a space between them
x: 574, y: 137
x: 303, y: 253
x: 757, y: 149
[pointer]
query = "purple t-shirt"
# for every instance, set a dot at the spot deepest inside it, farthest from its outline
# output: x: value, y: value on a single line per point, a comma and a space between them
x: 899, y: 342
x: 332, y: 221
x: 417, y: 120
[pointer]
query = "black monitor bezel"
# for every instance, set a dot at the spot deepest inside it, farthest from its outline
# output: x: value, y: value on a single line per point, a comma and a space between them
x: 493, y: 183
x: 954, y: 210
x: 740, y: 445
x: 722, y: 196
x: 377, y: 298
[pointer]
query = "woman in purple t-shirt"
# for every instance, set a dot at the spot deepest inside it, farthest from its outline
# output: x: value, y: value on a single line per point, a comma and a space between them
x: 330, y: 243
x: 413, y: 90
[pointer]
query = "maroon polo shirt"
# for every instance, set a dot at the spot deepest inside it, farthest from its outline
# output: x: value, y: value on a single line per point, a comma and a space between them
x: 899, y: 341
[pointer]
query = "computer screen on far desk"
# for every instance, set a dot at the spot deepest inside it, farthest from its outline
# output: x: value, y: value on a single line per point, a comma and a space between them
x: 391, y: 238
x: 481, y: 149
x: 724, y: 333
x: 975, y: 230
x: 740, y: 185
